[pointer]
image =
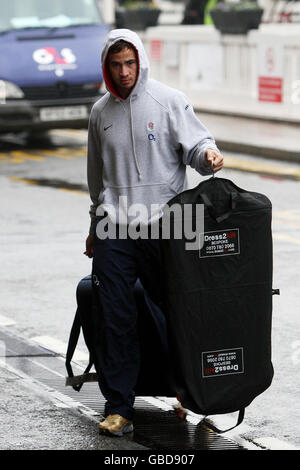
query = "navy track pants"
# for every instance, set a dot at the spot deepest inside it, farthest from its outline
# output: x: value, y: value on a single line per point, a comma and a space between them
x: 117, y: 263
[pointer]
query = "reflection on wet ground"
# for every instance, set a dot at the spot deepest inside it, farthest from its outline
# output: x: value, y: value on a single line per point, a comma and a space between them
x: 52, y: 183
x: 48, y: 140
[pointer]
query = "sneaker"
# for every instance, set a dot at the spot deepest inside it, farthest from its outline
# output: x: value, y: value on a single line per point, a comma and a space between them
x: 116, y: 425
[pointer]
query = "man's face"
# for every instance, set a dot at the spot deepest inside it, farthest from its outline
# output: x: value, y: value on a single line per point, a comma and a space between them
x: 123, y: 68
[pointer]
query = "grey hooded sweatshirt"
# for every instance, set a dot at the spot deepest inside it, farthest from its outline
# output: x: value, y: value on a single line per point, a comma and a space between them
x: 138, y: 148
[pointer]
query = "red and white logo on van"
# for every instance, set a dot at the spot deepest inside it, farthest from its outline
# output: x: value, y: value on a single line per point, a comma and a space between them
x: 50, y: 58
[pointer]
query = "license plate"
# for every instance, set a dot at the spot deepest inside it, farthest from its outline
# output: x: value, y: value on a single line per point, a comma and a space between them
x: 63, y: 113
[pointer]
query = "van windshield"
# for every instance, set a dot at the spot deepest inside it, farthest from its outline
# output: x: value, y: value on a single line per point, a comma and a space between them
x: 20, y: 14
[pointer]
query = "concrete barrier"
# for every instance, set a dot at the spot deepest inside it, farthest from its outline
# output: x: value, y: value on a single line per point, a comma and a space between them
x: 255, y: 75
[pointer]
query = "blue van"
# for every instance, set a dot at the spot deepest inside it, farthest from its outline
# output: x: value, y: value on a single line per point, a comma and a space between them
x: 50, y: 68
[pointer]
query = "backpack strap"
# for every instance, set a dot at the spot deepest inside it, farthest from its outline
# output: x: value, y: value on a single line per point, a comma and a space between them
x: 76, y: 381
x: 73, y: 340
x: 217, y: 430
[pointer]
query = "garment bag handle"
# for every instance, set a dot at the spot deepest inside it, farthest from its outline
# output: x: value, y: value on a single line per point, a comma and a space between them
x: 212, y: 427
x: 211, y: 209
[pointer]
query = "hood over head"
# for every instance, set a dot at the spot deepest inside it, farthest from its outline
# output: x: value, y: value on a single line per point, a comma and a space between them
x: 143, y: 63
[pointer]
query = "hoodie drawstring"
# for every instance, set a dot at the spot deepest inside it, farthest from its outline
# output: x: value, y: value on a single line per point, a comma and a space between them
x: 133, y: 143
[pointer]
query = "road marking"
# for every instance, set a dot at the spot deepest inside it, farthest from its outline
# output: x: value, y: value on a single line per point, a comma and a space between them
x: 39, y: 364
x: 13, y: 159
x: 59, y: 347
x: 27, y: 156
x: 63, y: 153
x: 77, y: 191
x: 286, y: 238
x: 80, y: 152
x: 252, y: 166
x: 18, y: 156
x: 272, y: 443
x: 5, y: 321
x: 55, y: 153
x: 22, y: 180
x: 67, y: 154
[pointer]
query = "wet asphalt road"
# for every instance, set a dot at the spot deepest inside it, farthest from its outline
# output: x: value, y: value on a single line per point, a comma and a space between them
x: 44, y: 212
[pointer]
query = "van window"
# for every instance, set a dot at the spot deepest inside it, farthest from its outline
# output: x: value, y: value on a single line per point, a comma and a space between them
x: 18, y: 14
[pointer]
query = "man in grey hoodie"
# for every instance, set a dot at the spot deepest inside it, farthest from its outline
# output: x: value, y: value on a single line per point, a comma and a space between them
x: 142, y: 134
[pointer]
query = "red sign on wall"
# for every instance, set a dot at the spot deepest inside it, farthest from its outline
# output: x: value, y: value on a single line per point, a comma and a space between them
x: 270, y: 71
x: 156, y: 49
x: 270, y: 89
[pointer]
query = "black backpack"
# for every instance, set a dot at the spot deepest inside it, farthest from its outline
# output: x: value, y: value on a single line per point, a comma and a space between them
x: 154, y: 378
x: 218, y: 299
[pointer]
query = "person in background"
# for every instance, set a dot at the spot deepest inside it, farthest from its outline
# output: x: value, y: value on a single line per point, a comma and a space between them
x: 194, y: 12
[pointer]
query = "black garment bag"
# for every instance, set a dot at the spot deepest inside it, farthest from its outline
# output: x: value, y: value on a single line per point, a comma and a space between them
x: 218, y: 296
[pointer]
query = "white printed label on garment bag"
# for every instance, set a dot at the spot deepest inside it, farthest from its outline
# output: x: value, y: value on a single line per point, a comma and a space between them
x: 223, y: 362
x: 220, y: 243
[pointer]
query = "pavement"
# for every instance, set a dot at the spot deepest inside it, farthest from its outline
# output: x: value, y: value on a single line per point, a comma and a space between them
x: 242, y: 139
x: 254, y: 136
x: 31, y: 421
x: 244, y: 125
